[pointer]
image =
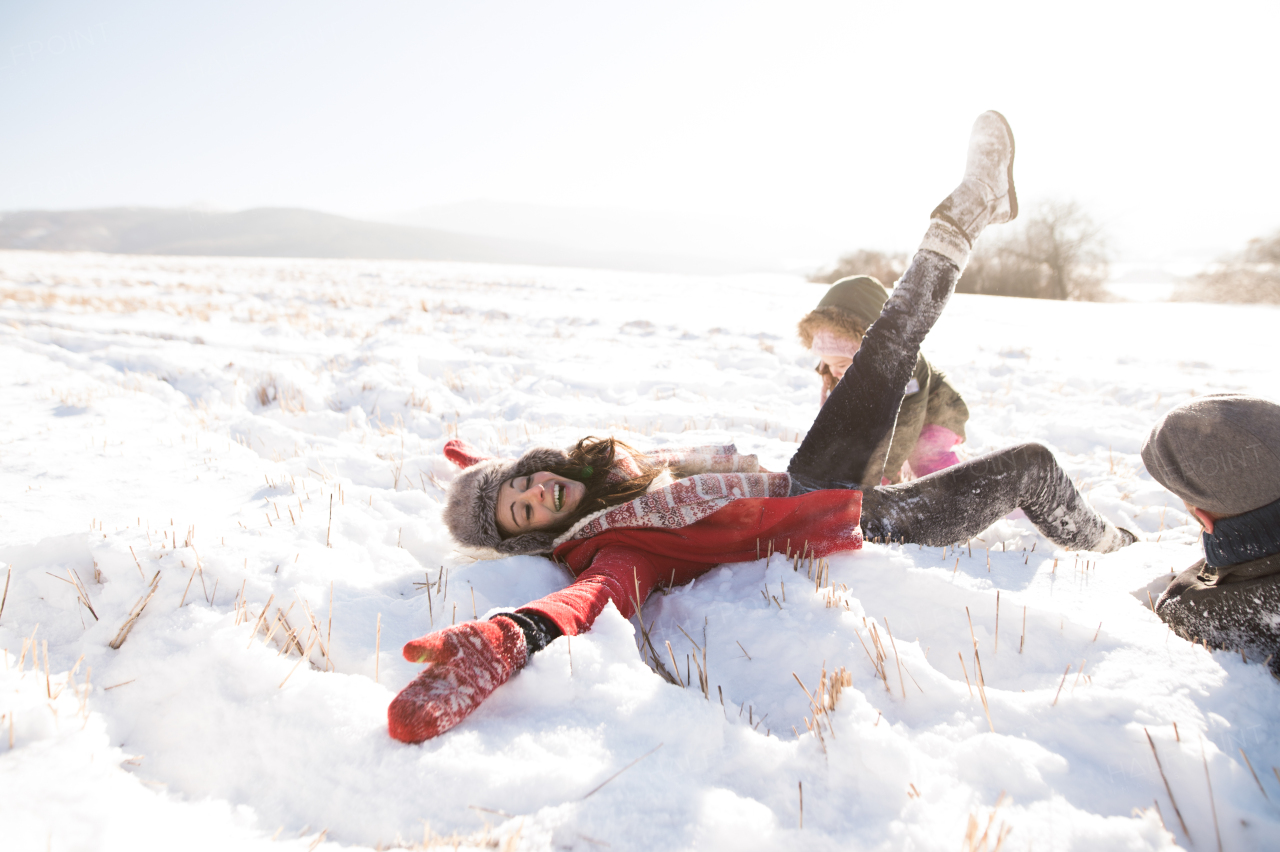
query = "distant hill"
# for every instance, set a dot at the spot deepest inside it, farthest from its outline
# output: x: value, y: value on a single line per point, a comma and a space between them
x: 774, y: 241
x: 287, y: 232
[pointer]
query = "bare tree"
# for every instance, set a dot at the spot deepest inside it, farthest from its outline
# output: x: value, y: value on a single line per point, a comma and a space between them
x: 995, y: 270
x: 887, y: 267
x: 1252, y: 276
x: 1263, y: 250
x: 1056, y: 251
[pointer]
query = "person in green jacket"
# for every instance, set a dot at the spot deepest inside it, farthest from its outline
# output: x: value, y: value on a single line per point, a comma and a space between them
x: 932, y: 415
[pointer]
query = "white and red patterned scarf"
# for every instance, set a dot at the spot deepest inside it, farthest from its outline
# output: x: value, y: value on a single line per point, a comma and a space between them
x: 714, y: 476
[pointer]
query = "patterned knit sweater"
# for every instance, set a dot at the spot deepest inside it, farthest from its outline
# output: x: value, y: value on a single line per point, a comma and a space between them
x: 714, y: 476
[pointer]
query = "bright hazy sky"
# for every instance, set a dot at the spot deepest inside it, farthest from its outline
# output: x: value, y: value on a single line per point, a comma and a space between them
x: 843, y: 121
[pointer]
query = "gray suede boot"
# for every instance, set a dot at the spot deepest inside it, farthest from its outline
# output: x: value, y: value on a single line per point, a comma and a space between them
x: 986, y: 196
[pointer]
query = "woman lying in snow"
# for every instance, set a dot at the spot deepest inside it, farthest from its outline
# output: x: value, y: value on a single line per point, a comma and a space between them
x: 932, y: 415
x: 623, y: 522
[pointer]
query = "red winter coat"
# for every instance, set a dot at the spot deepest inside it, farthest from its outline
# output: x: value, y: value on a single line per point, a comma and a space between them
x: 625, y: 565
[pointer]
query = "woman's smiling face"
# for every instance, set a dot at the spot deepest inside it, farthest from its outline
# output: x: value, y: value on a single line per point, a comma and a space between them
x: 536, y: 502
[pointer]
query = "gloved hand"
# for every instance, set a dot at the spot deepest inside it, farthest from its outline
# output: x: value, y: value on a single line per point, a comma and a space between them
x: 933, y: 450
x: 468, y: 662
x: 463, y: 454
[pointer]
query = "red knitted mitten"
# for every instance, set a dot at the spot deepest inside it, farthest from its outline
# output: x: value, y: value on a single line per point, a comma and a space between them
x: 463, y: 454
x: 468, y: 662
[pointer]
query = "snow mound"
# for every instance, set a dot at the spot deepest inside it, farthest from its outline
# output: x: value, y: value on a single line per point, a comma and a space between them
x: 231, y: 471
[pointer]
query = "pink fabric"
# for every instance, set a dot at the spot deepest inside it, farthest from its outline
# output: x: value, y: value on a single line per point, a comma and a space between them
x: 934, y: 450
x: 684, y: 461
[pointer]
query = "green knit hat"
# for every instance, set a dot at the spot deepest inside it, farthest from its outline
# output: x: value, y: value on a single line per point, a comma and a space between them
x: 861, y: 295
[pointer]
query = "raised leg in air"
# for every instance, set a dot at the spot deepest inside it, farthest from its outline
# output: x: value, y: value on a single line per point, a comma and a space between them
x: 847, y: 445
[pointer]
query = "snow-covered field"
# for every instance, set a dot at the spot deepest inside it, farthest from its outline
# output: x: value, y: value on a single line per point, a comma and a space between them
x: 285, y: 420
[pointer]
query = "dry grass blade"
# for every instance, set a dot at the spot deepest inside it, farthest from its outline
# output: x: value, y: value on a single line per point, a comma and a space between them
x: 874, y: 633
x: 807, y: 693
x: 135, y: 613
x: 135, y: 560
x: 28, y: 644
x: 290, y: 638
x: 5, y: 599
x: 704, y: 682
x: 974, y: 843
x: 902, y: 683
x: 1256, y: 780
x: 310, y: 645
x: 650, y: 656
x: 913, y: 678
x: 188, y: 588
x: 81, y: 592
x: 276, y: 622
x: 636, y: 602
x: 199, y: 566
x: 982, y: 689
x: 874, y: 663
x: 675, y: 665
x: 1065, y: 672
x: 315, y: 625
x: 257, y: 624
x: 1176, y: 811
x: 328, y: 639
x: 596, y: 789
x: 690, y: 638
x: 1213, y: 807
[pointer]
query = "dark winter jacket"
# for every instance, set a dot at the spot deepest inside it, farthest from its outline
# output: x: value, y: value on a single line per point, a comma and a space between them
x: 1237, y: 607
x: 1231, y: 599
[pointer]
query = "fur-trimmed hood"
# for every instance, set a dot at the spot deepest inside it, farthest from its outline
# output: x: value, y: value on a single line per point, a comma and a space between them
x: 835, y: 320
x: 470, y: 505
x: 848, y: 309
x: 469, y: 511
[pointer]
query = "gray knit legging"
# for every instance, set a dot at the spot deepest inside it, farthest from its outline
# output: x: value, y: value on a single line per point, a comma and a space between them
x: 849, y: 441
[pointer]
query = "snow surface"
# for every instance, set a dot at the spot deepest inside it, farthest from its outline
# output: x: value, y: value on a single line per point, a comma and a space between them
x: 154, y: 399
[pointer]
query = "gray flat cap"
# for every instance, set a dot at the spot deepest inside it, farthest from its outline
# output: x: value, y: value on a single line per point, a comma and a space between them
x: 1219, y: 452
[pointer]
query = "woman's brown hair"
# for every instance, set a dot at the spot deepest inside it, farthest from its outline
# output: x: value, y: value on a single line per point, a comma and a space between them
x: 589, y: 463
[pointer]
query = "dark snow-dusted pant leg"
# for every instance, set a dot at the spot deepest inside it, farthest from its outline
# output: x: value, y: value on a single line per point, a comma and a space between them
x: 849, y: 440
x: 956, y: 504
